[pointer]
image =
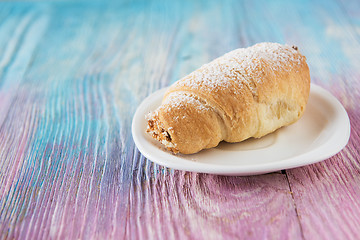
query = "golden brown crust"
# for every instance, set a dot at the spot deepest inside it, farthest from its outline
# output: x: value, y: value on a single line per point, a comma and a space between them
x: 245, y: 93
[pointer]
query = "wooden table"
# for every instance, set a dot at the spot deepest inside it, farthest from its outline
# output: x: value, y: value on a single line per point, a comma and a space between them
x: 71, y: 76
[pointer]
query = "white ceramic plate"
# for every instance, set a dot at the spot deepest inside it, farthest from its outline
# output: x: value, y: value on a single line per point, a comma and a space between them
x: 322, y: 132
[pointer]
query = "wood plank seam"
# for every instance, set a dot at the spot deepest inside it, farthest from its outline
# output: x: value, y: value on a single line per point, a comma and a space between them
x: 295, y: 207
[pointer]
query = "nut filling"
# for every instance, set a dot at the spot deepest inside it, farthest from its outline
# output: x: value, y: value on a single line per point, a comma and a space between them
x: 158, y: 132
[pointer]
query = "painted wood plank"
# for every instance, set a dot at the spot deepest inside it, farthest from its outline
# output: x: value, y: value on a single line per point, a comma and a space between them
x: 66, y: 162
x: 183, y: 205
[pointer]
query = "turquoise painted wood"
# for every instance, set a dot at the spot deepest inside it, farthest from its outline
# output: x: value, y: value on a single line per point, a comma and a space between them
x: 71, y: 76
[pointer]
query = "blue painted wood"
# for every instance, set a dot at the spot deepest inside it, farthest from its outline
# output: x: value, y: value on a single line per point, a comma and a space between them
x: 71, y: 77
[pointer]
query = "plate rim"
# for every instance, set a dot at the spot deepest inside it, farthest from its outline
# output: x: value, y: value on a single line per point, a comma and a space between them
x: 338, y: 140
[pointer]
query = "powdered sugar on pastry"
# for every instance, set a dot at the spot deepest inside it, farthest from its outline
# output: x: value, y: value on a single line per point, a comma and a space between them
x: 244, y: 62
x: 248, y: 92
x: 182, y: 100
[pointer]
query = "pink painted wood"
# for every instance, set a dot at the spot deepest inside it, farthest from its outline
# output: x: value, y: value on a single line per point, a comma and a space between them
x: 201, y: 206
x: 71, y: 77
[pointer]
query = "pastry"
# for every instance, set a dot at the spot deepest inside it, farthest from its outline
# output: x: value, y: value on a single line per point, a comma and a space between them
x: 248, y: 92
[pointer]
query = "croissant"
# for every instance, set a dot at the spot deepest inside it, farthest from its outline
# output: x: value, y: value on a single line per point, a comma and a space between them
x: 248, y: 92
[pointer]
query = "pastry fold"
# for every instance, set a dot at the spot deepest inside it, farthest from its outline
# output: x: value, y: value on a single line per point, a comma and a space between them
x: 248, y: 92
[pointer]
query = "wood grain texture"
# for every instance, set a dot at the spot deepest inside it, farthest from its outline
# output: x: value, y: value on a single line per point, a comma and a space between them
x: 71, y: 77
